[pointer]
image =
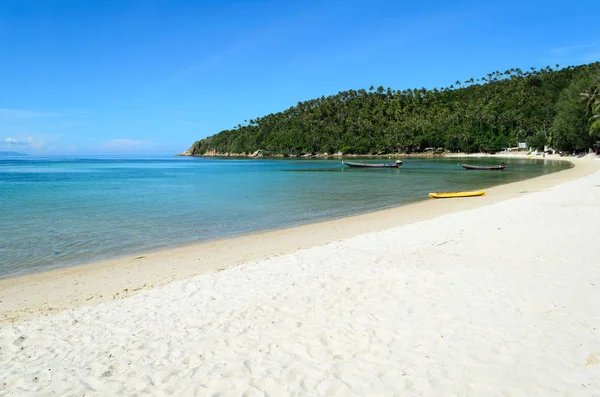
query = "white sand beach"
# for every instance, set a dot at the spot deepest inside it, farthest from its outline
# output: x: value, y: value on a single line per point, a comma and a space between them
x: 490, y: 296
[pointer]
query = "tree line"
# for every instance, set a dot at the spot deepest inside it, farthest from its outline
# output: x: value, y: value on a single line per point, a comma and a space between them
x: 556, y: 107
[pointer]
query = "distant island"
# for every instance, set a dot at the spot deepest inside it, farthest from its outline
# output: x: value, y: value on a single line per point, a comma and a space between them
x: 12, y: 154
x: 547, y: 107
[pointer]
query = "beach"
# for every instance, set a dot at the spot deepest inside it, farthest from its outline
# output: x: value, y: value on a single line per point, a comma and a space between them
x: 495, y: 295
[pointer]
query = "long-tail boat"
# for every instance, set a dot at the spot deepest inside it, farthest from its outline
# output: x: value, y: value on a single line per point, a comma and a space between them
x: 482, y: 167
x: 396, y: 164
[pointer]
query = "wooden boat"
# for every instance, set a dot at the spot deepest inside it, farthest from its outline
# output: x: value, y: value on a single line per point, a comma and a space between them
x: 480, y: 167
x: 456, y: 194
x: 396, y: 164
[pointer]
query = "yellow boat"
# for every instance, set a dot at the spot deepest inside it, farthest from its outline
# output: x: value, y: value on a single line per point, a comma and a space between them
x: 456, y: 194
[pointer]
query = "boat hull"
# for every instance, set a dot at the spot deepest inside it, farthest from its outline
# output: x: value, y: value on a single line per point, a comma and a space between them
x: 483, y: 168
x: 456, y: 194
x: 369, y: 165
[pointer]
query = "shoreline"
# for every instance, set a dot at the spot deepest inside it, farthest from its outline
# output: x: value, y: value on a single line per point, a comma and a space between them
x: 338, y: 156
x: 55, y: 290
x: 182, y: 245
x: 495, y: 300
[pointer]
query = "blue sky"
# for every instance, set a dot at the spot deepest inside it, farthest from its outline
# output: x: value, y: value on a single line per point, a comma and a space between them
x: 152, y: 77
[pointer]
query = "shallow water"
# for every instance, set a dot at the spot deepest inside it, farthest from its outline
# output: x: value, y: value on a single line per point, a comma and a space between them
x: 58, y: 211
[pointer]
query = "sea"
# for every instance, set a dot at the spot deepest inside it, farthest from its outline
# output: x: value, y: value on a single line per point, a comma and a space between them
x: 67, y: 210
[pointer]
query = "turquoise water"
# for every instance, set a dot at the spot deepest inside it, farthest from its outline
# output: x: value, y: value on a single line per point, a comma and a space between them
x: 58, y: 211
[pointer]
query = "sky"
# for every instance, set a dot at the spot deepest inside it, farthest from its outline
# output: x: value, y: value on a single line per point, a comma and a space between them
x: 152, y: 76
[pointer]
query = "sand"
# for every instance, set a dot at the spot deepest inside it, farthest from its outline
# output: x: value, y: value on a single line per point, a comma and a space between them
x: 56, y: 290
x: 489, y: 296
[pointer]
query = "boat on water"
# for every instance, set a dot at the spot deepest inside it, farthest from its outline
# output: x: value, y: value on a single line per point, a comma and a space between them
x: 457, y: 194
x: 482, y: 167
x: 396, y: 164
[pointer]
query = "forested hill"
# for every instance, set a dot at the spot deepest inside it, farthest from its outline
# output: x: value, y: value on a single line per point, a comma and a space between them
x: 557, y: 107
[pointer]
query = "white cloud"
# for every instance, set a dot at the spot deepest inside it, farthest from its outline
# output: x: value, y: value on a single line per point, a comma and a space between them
x: 29, y: 141
x: 591, y: 57
x: 13, y: 141
x: 570, y: 49
x: 573, y: 54
x: 124, y: 143
x: 20, y: 114
x: 130, y: 145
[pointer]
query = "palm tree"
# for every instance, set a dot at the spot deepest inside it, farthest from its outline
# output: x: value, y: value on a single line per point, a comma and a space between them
x: 595, y: 119
x: 591, y: 96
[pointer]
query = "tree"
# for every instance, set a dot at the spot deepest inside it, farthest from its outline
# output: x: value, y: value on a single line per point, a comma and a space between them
x: 537, y: 141
x: 590, y: 96
x: 595, y: 119
x: 591, y: 99
x: 569, y: 129
x: 497, y: 111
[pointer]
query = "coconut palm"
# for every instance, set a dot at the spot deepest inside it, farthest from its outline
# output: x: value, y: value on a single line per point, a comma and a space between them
x: 595, y: 119
x: 590, y: 96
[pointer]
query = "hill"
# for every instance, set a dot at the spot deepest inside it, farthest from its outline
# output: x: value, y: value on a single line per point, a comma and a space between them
x: 487, y: 114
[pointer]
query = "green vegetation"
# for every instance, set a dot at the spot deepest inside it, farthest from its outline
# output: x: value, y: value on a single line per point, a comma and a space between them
x: 557, y: 107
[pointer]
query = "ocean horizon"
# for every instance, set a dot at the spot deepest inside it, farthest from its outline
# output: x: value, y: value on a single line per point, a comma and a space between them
x: 68, y: 210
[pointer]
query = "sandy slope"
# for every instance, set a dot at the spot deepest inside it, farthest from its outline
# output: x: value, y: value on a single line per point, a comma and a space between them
x: 500, y: 300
